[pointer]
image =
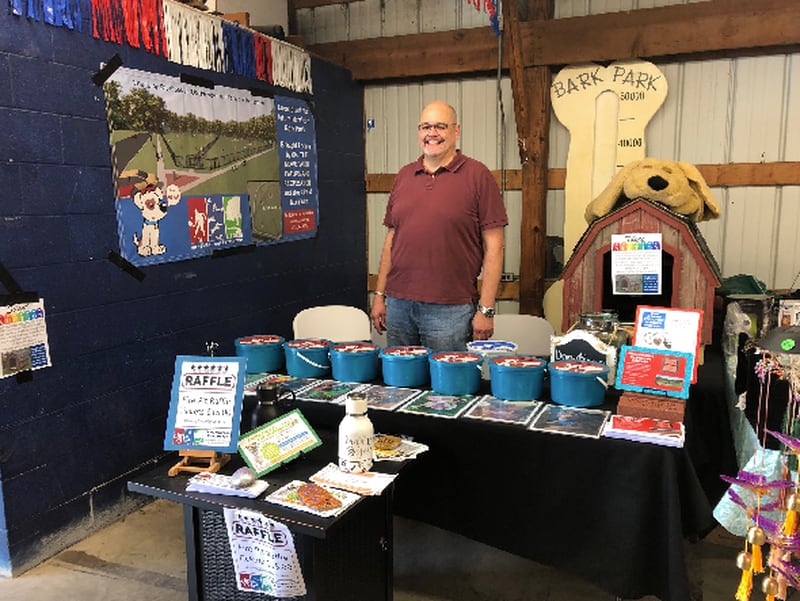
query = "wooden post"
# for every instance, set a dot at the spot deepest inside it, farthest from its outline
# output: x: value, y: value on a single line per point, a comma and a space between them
x: 531, y: 89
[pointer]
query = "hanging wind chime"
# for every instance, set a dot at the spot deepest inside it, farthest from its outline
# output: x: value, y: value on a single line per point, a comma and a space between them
x: 780, y: 359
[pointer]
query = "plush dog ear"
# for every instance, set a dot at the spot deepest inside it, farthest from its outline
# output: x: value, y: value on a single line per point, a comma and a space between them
x: 708, y: 207
x: 607, y: 199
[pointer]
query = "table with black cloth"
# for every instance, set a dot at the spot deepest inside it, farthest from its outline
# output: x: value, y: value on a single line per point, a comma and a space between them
x: 343, y: 558
x: 613, y: 512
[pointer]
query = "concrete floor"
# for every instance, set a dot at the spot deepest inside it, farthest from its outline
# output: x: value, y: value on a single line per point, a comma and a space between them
x: 141, y: 557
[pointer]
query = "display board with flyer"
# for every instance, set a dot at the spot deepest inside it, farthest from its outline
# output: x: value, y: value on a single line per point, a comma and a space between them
x: 669, y: 329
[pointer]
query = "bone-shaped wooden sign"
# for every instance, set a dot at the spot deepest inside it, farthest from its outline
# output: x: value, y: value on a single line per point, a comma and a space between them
x: 606, y: 110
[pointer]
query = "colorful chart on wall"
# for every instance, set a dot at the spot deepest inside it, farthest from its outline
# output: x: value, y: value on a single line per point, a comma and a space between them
x: 202, y: 169
x: 23, y: 338
x: 206, y: 404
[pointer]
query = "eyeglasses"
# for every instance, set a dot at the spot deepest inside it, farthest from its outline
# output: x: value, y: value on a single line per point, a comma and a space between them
x: 427, y: 127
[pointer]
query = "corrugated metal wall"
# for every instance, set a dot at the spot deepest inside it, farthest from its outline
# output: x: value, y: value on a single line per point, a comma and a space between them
x: 716, y: 112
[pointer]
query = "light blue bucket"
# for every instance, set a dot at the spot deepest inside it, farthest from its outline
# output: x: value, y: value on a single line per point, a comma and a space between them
x: 354, y: 361
x: 405, y: 365
x: 308, y: 357
x: 516, y: 377
x: 455, y: 372
x: 578, y: 383
x: 264, y: 353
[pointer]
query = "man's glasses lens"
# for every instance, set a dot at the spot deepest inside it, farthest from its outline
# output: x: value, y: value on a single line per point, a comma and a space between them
x: 426, y: 127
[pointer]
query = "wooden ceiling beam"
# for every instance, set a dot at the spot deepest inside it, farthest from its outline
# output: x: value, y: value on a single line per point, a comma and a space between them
x: 460, y: 51
x: 677, y: 30
x: 315, y: 3
x: 732, y: 27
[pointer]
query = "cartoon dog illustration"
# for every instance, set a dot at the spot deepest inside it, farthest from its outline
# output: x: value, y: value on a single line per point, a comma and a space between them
x: 151, y: 200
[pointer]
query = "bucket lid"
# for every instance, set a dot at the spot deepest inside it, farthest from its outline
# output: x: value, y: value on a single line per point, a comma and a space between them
x: 517, y: 361
x: 483, y: 346
x: 456, y: 357
x: 308, y: 343
x: 579, y: 367
x: 260, y: 339
x: 355, y: 347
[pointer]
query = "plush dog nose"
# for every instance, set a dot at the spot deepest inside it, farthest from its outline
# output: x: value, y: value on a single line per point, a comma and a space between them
x: 656, y: 182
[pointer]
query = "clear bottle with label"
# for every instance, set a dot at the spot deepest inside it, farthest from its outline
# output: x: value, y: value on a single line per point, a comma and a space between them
x: 356, y: 435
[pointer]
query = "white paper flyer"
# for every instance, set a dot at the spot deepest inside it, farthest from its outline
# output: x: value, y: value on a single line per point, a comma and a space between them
x: 23, y: 338
x: 263, y: 553
x: 636, y: 263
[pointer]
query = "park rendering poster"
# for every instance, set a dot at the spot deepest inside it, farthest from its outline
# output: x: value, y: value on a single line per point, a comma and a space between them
x: 202, y: 169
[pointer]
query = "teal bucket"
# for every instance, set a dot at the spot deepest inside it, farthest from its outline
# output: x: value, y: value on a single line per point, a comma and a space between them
x: 578, y: 383
x: 354, y: 361
x: 455, y: 373
x: 264, y: 353
x: 308, y: 357
x: 405, y: 366
x: 516, y: 377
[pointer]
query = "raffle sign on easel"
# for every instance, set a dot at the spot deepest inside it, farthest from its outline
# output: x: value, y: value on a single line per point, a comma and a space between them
x: 206, y: 404
x: 263, y: 554
x: 23, y: 338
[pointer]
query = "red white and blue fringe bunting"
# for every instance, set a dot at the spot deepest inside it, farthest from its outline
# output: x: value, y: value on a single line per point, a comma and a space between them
x: 59, y: 13
x: 182, y: 34
x: 490, y: 7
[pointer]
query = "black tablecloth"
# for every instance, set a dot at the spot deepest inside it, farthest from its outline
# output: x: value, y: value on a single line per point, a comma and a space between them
x: 613, y: 512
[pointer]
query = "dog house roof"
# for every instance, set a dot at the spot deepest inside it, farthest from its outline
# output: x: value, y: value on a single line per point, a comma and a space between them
x: 681, y: 221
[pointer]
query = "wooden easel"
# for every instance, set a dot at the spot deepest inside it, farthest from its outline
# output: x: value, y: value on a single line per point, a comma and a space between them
x: 199, y: 461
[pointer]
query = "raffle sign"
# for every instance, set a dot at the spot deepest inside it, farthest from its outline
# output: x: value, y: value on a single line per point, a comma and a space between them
x: 23, y: 338
x: 263, y: 554
x: 636, y: 263
x: 206, y: 403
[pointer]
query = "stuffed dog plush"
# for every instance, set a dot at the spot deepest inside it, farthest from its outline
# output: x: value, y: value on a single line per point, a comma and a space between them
x: 679, y: 186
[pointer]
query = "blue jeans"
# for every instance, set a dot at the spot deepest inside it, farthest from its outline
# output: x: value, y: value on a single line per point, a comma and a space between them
x: 440, y: 327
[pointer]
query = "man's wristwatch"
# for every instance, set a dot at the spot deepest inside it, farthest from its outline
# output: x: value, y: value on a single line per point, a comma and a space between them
x: 487, y: 311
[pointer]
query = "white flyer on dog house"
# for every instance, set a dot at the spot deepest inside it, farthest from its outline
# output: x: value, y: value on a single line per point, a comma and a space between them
x: 636, y: 263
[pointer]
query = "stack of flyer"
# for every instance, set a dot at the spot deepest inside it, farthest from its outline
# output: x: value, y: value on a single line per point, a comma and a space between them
x: 645, y: 429
x: 220, y: 484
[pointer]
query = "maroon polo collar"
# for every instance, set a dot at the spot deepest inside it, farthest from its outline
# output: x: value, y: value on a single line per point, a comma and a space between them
x: 452, y: 166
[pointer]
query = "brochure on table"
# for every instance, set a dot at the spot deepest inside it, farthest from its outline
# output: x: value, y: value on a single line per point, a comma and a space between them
x: 205, y: 404
x: 645, y: 429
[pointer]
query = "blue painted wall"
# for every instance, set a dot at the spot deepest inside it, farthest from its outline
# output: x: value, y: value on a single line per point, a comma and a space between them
x: 72, y: 435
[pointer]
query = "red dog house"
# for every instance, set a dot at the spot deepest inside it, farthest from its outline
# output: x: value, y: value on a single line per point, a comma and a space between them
x: 690, y: 272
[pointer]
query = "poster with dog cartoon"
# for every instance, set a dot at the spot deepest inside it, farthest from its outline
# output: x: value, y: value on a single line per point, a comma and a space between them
x: 200, y: 169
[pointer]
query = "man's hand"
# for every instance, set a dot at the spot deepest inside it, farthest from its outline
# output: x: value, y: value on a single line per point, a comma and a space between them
x: 482, y: 326
x: 378, y: 314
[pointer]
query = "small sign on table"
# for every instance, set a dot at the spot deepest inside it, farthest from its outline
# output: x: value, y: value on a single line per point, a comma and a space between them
x: 204, y: 411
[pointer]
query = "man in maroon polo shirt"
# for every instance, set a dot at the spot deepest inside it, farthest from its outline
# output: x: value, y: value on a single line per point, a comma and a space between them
x: 445, y: 218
